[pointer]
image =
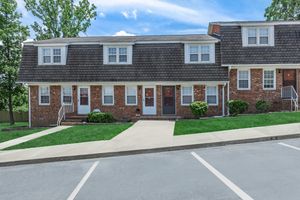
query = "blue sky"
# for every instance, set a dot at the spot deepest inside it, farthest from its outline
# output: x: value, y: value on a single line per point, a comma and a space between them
x: 151, y: 17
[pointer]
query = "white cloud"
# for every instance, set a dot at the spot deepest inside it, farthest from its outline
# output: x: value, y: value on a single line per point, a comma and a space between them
x: 130, y: 14
x: 123, y: 33
x: 102, y: 14
x: 199, y: 14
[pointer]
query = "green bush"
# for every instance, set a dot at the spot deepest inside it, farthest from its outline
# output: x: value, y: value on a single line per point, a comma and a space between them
x: 199, y: 108
x: 237, y: 107
x: 262, y: 106
x: 99, y: 117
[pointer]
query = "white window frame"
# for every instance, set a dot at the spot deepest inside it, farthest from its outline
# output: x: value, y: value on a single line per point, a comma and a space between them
x: 249, y: 79
x: 113, y: 95
x: 49, y: 93
x: 181, y: 94
x: 257, y: 28
x: 136, y: 95
x: 63, y: 52
x: 217, y: 95
x: 263, y: 82
x: 211, y: 53
x: 62, y: 95
x: 106, y: 54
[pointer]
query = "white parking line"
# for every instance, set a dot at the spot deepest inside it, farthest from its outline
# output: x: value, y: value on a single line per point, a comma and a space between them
x: 290, y: 146
x: 83, y: 180
x: 225, y: 180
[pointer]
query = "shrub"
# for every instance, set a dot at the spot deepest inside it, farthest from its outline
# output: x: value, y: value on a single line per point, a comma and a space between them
x: 237, y: 107
x: 99, y: 117
x: 199, y: 108
x: 262, y: 106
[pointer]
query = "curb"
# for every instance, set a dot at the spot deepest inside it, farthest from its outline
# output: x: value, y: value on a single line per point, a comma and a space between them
x: 144, y: 151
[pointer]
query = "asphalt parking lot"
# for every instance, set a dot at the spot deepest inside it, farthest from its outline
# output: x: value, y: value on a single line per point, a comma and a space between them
x: 265, y: 170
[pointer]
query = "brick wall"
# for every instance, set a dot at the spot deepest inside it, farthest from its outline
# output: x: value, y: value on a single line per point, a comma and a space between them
x: 45, y: 115
x: 256, y: 92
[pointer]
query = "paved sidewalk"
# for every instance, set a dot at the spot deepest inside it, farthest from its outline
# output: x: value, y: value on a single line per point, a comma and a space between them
x: 147, y: 136
x: 26, y: 138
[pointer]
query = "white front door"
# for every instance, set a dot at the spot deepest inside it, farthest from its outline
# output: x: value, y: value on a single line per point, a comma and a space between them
x: 83, y: 100
x: 149, y: 100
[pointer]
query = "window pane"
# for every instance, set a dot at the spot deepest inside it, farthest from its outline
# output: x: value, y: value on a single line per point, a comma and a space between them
x: 45, y: 99
x: 67, y: 99
x: 186, y: 99
x: 44, y: 90
x: 46, y: 52
x: 56, y: 59
x: 67, y: 91
x: 131, y: 91
x: 193, y: 57
x: 243, y: 75
x: 112, y: 51
x: 211, y: 90
x: 251, y: 40
x: 243, y: 84
x: 108, y: 90
x: 193, y: 49
x: 187, y: 90
x: 269, y: 79
x: 263, y: 32
x: 123, y: 51
x: 122, y: 58
x: 108, y: 99
x: 205, y: 49
x: 46, y: 59
x: 204, y: 57
x: 56, y: 52
x: 211, y: 99
x: 131, y: 99
x: 112, y: 59
x: 264, y: 40
x: 251, y: 32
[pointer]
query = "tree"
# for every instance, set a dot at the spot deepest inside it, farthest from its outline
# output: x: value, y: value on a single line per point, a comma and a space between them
x: 60, y: 18
x: 283, y: 10
x: 12, y: 34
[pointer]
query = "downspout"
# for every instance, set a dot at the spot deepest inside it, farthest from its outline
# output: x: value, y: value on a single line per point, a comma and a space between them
x: 228, y: 90
x: 223, y: 99
x: 29, y: 107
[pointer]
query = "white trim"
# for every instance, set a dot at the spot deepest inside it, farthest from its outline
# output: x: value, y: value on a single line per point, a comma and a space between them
x: 113, y: 95
x: 78, y: 99
x: 131, y: 83
x: 187, y: 53
x: 63, y: 55
x: 181, y: 94
x: 62, y: 94
x: 49, y: 89
x: 106, y: 54
x: 29, y: 107
x: 249, y: 79
x: 263, y: 82
x: 259, y: 66
x: 154, y: 96
x: 48, y: 45
x: 217, y: 95
x: 136, y: 95
x: 244, y: 30
x: 256, y: 23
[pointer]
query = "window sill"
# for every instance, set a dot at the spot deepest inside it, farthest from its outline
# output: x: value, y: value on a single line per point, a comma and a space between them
x: 44, y: 104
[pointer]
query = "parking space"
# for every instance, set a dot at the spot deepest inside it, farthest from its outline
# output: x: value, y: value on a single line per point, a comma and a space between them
x: 265, y: 170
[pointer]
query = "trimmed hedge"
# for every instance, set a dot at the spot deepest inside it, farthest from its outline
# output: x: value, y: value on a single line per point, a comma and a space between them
x: 262, y: 106
x: 99, y: 117
x: 237, y: 107
x: 199, y: 108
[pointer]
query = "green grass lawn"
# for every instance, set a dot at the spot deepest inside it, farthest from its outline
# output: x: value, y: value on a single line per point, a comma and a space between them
x: 183, y: 127
x: 76, y: 134
x: 9, y: 135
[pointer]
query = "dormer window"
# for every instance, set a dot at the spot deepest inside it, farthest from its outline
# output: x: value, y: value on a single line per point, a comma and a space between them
x: 52, y: 55
x: 258, y: 36
x: 117, y: 54
x: 199, y: 53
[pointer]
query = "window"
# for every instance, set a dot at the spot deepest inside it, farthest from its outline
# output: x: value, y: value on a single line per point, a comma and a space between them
x: 131, y: 95
x: 67, y: 95
x: 44, y: 95
x: 108, y: 95
x: 243, y: 79
x: 269, y: 79
x: 52, y: 55
x: 199, y: 53
x: 187, y: 96
x: 117, y: 55
x: 212, y: 95
x: 258, y: 36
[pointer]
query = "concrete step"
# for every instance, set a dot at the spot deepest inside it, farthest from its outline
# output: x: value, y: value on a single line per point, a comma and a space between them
x: 68, y: 123
x: 148, y: 117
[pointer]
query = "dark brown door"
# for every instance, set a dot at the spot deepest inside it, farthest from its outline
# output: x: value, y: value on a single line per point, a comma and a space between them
x: 289, y: 78
x: 168, y: 94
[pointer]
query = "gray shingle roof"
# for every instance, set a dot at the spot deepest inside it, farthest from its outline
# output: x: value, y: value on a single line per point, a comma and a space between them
x: 151, y: 62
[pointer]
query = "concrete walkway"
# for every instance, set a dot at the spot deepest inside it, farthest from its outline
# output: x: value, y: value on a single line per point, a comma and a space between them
x: 26, y: 138
x: 145, y: 135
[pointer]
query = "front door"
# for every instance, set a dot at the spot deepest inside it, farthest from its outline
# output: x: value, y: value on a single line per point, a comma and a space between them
x: 83, y: 100
x: 168, y: 95
x: 149, y: 100
x: 289, y: 78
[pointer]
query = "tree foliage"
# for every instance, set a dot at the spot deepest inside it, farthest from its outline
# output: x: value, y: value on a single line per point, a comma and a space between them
x: 12, y: 34
x: 283, y: 10
x: 60, y: 18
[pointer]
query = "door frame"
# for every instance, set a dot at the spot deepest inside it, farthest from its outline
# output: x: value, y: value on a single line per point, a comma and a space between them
x: 154, y: 95
x: 78, y: 99
x: 162, y: 100
x: 296, y: 76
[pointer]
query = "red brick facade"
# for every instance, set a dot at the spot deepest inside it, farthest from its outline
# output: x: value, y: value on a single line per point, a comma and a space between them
x: 43, y: 115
